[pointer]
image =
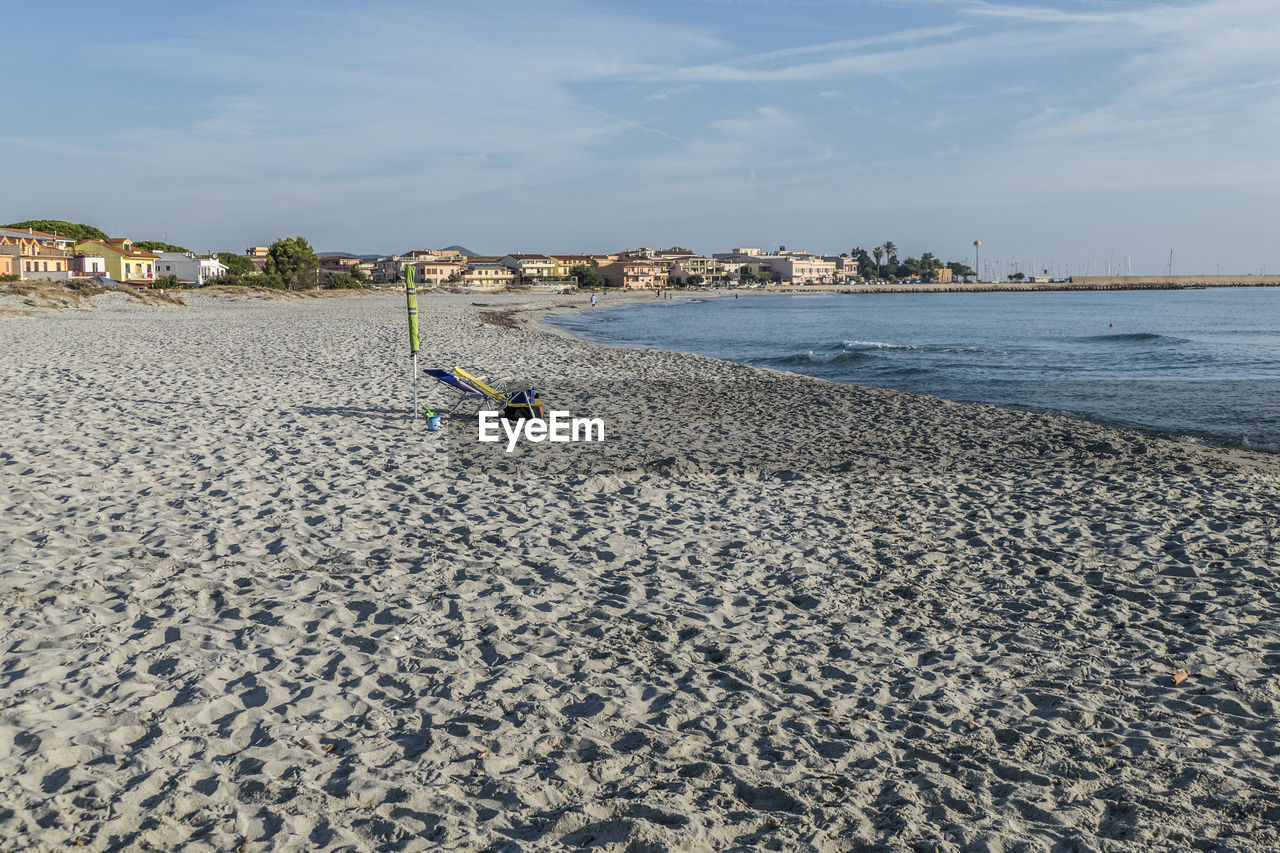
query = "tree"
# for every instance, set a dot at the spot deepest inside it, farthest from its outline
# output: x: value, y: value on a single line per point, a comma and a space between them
x: 344, y: 281
x: 929, y: 266
x: 891, y: 255
x: 695, y: 280
x: 959, y: 270
x: 157, y: 246
x: 1018, y: 276
x: 293, y: 259
x: 236, y: 264
x: 72, y: 230
x: 864, y: 262
x: 878, y: 251
x: 588, y: 277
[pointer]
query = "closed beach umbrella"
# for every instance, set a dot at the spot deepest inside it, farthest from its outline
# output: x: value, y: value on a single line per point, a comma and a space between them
x: 411, y: 296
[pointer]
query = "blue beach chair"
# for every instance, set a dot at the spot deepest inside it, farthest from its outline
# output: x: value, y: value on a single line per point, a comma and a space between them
x: 523, y: 403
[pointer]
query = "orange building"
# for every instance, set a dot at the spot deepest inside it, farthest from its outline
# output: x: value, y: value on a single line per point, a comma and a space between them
x: 34, y: 254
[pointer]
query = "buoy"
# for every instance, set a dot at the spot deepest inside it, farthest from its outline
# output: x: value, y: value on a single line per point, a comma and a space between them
x: 1111, y: 325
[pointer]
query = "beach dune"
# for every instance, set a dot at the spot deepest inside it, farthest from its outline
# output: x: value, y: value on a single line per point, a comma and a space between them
x: 246, y: 605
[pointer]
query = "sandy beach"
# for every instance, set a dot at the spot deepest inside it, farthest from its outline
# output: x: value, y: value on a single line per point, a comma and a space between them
x: 245, y: 605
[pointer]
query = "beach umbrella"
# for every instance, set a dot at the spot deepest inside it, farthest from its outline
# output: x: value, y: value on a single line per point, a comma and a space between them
x: 411, y: 296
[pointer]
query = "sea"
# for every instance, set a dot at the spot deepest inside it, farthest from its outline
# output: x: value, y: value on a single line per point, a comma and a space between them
x: 1194, y: 365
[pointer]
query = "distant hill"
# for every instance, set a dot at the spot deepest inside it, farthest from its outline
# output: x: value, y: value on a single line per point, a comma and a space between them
x: 72, y: 230
x: 158, y: 246
x: 462, y: 250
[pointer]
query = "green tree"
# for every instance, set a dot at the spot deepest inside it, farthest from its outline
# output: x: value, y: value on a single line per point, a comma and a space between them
x: 344, y: 281
x: 891, y: 256
x: 236, y: 264
x: 293, y: 259
x: 157, y: 246
x: 929, y: 266
x: 73, y: 230
x: 878, y: 251
x: 588, y: 277
x: 959, y: 270
x: 695, y: 280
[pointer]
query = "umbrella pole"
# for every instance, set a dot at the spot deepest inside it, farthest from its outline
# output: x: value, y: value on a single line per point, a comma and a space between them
x: 415, y: 389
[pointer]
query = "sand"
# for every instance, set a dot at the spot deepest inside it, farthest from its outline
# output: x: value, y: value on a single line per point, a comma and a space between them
x: 244, y: 605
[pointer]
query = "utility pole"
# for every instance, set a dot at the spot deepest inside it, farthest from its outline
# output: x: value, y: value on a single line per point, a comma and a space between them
x: 976, y: 267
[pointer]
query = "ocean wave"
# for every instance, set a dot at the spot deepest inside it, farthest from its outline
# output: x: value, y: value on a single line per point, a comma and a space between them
x: 854, y: 346
x: 824, y: 359
x: 1132, y: 338
x: 1264, y: 446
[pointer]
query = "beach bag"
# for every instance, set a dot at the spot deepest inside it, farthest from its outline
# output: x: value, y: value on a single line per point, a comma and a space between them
x: 523, y: 404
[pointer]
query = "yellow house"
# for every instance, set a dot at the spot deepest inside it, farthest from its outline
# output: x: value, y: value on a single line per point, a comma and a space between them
x: 488, y: 275
x: 566, y: 263
x: 124, y: 262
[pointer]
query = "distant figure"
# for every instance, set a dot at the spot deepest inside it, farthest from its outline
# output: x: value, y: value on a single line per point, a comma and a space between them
x: 593, y: 300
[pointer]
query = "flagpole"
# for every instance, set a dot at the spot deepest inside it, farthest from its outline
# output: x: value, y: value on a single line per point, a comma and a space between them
x: 411, y: 297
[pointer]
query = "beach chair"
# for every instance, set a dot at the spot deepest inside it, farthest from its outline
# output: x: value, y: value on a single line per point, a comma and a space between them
x: 466, y: 386
x: 518, y: 404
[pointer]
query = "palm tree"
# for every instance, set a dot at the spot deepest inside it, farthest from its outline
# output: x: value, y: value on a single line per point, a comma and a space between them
x: 877, y: 253
x: 891, y: 254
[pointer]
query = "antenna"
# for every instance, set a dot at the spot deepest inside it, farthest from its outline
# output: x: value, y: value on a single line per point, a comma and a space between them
x: 1170, y: 273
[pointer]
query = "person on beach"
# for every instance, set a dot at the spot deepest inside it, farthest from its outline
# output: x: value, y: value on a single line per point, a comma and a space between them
x: 593, y: 300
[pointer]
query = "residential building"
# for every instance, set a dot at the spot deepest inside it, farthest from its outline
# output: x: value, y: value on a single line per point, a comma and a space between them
x: 737, y: 254
x: 846, y: 267
x: 34, y: 254
x: 945, y: 275
x: 6, y: 264
x: 435, y: 272
x: 390, y: 270
x: 259, y: 255
x: 189, y: 268
x: 530, y: 267
x: 795, y: 268
x: 634, y: 274
x: 123, y: 261
x: 331, y: 265
x: 88, y: 265
x: 491, y: 275
x: 566, y: 263
x: 683, y: 268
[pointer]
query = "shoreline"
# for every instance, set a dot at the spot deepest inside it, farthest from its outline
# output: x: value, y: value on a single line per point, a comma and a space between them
x: 246, y: 604
x: 1181, y: 435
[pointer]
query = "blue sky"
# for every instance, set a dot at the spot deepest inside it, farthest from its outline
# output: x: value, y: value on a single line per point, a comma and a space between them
x: 1062, y: 134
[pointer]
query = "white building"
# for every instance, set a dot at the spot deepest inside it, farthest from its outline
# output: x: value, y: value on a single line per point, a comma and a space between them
x: 189, y: 268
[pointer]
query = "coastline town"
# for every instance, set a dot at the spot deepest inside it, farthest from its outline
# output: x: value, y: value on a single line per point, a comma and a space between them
x: 69, y: 252
x: 26, y: 254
